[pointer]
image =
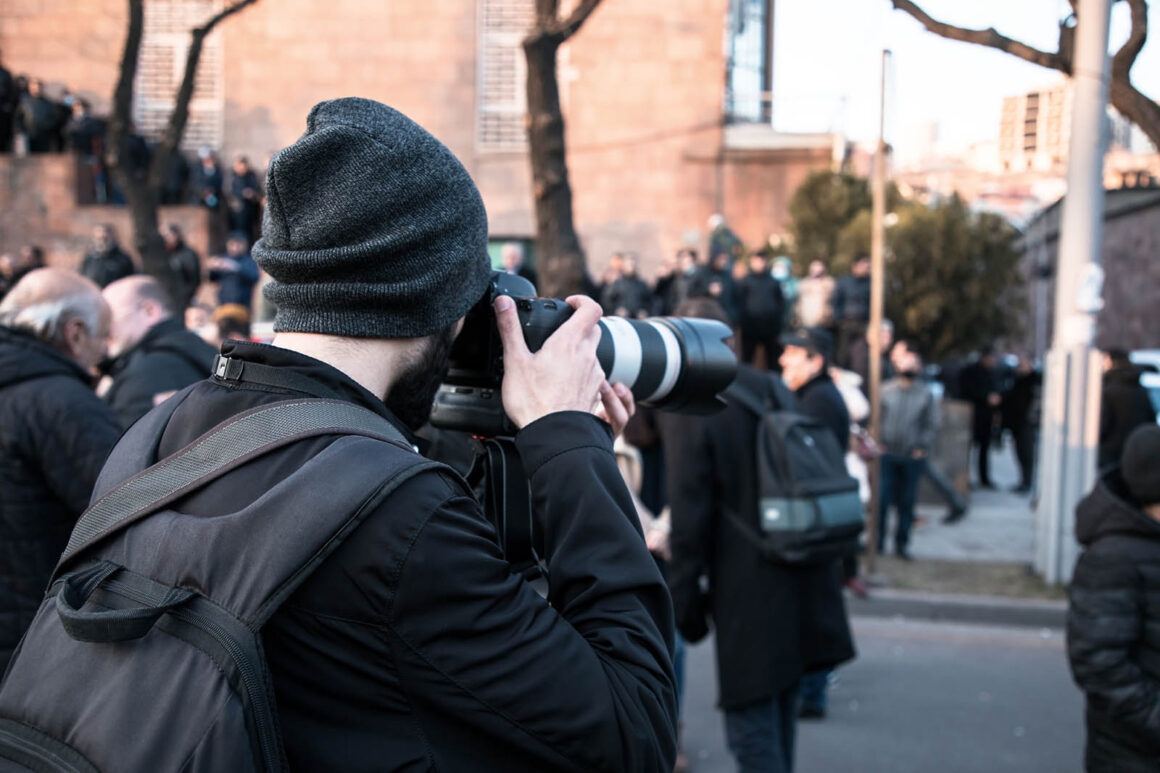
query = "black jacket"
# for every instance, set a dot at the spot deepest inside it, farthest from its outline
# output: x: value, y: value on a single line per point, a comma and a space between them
x: 852, y: 299
x: 629, y: 293
x: 1124, y: 405
x: 820, y: 399
x: 104, y: 268
x: 760, y: 304
x: 1113, y: 631
x: 54, y: 437
x: 166, y: 359
x: 976, y: 384
x: 773, y: 622
x: 414, y: 647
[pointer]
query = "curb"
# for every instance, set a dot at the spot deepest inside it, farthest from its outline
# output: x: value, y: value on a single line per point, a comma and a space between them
x: 952, y: 608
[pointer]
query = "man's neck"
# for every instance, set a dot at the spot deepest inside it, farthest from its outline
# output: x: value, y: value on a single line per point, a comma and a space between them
x: 1153, y: 511
x: 370, y: 362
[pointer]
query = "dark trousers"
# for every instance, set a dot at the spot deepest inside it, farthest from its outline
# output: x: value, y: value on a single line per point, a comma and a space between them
x: 813, y: 689
x: 944, y: 487
x: 983, y: 444
x: 1025, y: 452
x: 850, y: 332
x: 761, y: 735
x: 898, y: 485
x: 770, y: 343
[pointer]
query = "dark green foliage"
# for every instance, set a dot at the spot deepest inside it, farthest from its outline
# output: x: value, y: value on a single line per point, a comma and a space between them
x: 952, y: 277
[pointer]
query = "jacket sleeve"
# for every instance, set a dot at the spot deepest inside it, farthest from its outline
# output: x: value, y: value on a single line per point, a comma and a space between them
x: 583, y: 681
x: 1104, y: 628
x: 688, y: 470
x: 928, y: 424
x: 72, y: 437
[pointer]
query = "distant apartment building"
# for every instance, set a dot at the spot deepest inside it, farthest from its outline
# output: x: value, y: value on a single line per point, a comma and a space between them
x: 667, y: 105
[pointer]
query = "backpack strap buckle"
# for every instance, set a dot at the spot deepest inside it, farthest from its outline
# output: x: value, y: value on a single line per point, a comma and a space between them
x: 226, y: 368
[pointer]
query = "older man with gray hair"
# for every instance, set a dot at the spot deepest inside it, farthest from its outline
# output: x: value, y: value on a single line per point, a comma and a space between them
x: 54, y: 431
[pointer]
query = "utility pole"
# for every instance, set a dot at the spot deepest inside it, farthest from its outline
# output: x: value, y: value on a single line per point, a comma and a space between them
x: 1071, y: 406
x: 877, y: 299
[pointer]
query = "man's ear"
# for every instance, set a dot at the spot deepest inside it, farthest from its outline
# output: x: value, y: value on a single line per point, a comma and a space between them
x: 74, y: 336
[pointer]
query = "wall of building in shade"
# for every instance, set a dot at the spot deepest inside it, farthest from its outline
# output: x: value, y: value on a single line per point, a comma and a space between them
x: 642, y: 86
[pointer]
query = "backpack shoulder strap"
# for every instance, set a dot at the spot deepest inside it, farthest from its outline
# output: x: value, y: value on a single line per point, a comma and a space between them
x: 225, y: 447
x: 775, y: 395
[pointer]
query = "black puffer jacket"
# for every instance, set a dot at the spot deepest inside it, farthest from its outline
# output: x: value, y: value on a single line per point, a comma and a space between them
x: 167, y: 359
x: 1113, y: 631
x: 54, y: 437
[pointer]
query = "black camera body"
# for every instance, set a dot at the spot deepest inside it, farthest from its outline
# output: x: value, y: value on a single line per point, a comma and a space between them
x: 673, y: 363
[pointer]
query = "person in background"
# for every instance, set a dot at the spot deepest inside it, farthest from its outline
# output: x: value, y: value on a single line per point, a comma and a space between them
x: 54, y: 432
x: 152, y: 354
x: 9, y: 100
x: 13, y: 268
x: 805, y: 366
x: 979, y: 386
x: 628, y: 295
x: 236, y: 272
x: 612, y: 272
x: 761, y: 307
x: 244, y: 199
x: 512, y: 257
x: 860, y: 355
x: 105, y: 261
x: 782, y: 270
x: 1124, y: 405
x: 909, y: 427
x: 1018, y: 418
x: 185, y: 264
x: 852, y: 309
x: 773, y: 622
x: 815, y: 301
x: 1113, y: 617
x: 38, y: 118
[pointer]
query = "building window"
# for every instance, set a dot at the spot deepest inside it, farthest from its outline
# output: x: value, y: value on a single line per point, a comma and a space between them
x: 501, y: 99
x: 749, y: 61
x: 161, y: 66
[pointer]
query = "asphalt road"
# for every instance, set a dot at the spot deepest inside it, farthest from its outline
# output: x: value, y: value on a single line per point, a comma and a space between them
x: 923, y: 697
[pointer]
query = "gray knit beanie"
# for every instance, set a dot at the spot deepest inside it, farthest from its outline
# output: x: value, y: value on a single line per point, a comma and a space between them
x: 372, y: 229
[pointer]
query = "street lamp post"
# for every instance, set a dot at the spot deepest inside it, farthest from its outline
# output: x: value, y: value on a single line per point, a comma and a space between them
x: 1070, y: 429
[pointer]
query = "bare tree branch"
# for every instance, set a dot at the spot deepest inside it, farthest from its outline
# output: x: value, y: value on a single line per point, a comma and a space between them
x: 123, y: 94
x: 1124, y: 59
x: 568, y: 27
x: 989, y: 37
x: 546, y: 13
x: 171, y: 139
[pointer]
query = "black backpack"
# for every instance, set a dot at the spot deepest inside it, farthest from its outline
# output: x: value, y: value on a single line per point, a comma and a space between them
x: 809, y: 509
x: 146, y: 653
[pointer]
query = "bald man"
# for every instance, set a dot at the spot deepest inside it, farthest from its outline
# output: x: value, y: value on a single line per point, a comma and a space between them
x: 54, y: 432
x: 153, y: 355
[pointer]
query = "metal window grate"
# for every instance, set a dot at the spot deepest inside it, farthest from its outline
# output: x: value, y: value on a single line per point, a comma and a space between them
x: 161, y: 64
x: 501, y: 102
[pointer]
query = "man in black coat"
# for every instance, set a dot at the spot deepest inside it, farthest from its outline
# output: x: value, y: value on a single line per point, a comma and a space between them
x: 106, y: 262
x: 38, y: 118
x: 54, y: 432
x: 628, y: 295
x: 185, y: 264
x: 979, y: 386
x: 414, y: 645
x: 153, y: 355
x: 773, y: 622
x: 852, y: 309
x: 1124, y: 405
x: 761, y: 307
x: 1113, y: 621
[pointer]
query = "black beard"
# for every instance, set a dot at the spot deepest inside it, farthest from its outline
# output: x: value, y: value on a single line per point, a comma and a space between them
x: 413, y: 393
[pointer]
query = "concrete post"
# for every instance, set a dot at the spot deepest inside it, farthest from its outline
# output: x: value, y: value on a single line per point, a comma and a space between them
x: 1070, y: 429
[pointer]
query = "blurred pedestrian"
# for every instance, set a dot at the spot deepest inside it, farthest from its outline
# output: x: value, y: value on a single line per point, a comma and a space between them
x: 513, y: 259
x: 184, y: 263
x: 105, y: 261
x: 773, y: 621
x: 851, y: 303
x: 979, y: 386
x: 1020, y: 420
x: 909, y: 427
x: 152, y: 354
x: 628, y: 295
x: 1113, y: 619
x: 1124, y: 405
x: 782, y: 270
x: 9, y: 99
x: 613, y: 271
x: 14, y: 268
x: 244, y: 199
x: 859, y: 359
x: 38, y: 118
x: 815, y: 302
x: 54, y: 432
x: 235, y: 272
x: 761, y: 308
x: 209, y: 180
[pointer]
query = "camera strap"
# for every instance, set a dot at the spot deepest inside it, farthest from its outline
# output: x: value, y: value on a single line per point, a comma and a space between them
x: 232, y: 369
x: 507, y: 502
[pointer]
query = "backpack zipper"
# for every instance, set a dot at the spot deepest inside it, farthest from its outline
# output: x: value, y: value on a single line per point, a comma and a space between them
x: 252, y: 682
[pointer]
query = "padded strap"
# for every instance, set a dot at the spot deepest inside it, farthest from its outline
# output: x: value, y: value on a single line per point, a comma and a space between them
x: 227, y: 446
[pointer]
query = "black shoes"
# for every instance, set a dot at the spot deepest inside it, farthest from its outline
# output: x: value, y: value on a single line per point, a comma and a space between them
x: 955, y: 514
x: 811, y: 712
x: 904, y: 554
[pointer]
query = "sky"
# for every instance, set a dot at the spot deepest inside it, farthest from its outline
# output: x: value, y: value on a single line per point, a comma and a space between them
x: 827, y: 66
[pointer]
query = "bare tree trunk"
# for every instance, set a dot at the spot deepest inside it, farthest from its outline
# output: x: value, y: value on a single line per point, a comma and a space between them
x: 559, y: 258
x: 142, y: 188
x: 1126, y: 98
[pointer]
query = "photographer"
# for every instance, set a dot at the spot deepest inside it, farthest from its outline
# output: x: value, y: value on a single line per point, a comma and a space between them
x: 413, y: 645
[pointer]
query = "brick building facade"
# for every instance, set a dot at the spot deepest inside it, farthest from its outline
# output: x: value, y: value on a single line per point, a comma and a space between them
x: 644, y: 85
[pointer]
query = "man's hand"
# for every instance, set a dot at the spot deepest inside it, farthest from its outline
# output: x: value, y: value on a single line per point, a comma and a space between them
x: 918, y: 453
x: 563, y: 375
x: 617, y: 406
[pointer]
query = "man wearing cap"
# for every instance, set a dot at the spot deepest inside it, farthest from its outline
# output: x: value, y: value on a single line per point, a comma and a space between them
x: 413, y: 646
x: 1113, y: 620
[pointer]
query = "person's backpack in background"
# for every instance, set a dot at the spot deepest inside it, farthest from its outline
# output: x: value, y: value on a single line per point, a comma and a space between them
x: 146, y: 655
x: 809, y: 510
